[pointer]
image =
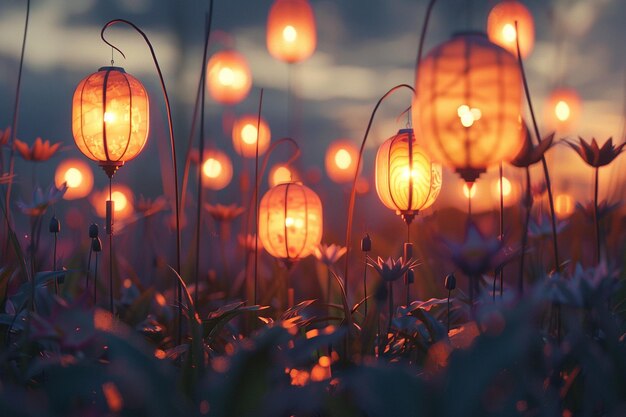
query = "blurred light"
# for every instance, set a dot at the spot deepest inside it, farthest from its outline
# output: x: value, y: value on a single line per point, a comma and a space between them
x: 217, y: 170
x: 78, y: 177
x: 469, y: 192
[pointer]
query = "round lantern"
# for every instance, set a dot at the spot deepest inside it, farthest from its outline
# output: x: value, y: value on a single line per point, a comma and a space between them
x: 501, y: 27
x: 110, y: 117
x: 216, y: 169
x: 228, y: 77
x: 341, y: 160
x: 291, y: 33
x: 77, y: 176
x: 290, y: 221
x: 406, y: 180
x: 468, y: 102
x: 563, y: 109
x: 245, y: 134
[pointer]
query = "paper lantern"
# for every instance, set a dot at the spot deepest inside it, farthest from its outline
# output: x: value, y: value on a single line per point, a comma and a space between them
x: 228, y: 77
x: 468, y: 102
x: 563, y: 109
x: 501, y: 27
x: 341, y: 160
x: 564, y: 205
x: 217, y: 170
x: 406, y: 180
x: 110, y: 117
x: 245, y: 134
x: 280, y: 174
x: 290, y: 221
x: 291, y: 33
x: 78, y: 177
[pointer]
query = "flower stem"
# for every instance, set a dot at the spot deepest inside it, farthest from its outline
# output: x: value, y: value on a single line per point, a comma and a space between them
x: 520, y: 282
x: 596, y: 218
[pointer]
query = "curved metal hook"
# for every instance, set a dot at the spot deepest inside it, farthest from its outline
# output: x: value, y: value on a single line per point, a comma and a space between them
x: 113, y: 22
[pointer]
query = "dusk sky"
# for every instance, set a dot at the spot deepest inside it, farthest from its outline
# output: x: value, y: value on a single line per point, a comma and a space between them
x: 364, y: 48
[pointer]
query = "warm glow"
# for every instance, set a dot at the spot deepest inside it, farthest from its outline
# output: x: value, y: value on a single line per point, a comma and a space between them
x: 469, y: 192
x: 468, y: 104
x: 563, y: 109
x: 290, y: 221
x: 217, y: 170
x: 123, y: 201
x: 245, y: 135
x: 228, y: 77
x: 340, y: 161
x: 212, y: 168
x: 506, y: 187
x: 291, y: 31
x: 563, y: 205
x: 110, y: 116
x: 78, y: 177
x: 290, y: 34
x: 406, y: 180
x: 501, y: 27
x: 281, y: 174
x: 343, y: 160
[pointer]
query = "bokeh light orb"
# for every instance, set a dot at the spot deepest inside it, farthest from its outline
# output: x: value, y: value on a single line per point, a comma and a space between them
x: 245, y: 134
x: 78, y: 177
x: 217, y: 170
x: 341, y: 161
x: 501, y: 27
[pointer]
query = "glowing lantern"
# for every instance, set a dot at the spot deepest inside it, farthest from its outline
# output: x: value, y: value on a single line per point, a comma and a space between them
x: 291, y: 33
x: 280, y: 174
x: 406, y: 180
x: 508, y: 191
x: 563, y: 205
x: 78, y: 177
x: 228, y: 77
x: 122, y: 198
x: 110, y: 117
x: 290, y: 221
x: 563, y: 108
x: 341, y: 160
x: 245, y: 135
x: 468, y: 104
x: 501, y: 27
x: 217, y: 170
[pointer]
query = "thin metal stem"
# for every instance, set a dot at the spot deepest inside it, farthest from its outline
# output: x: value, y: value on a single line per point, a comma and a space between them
x: 54, y: 264
x: 520, y: 282
x: 95, y: 282
x: 110, y: 231
x: 256, y: 200
x: 173, y: 151
x: 501, y: 269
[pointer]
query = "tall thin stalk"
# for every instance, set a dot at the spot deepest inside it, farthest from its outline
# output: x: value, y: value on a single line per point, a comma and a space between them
x: 596, y: 219
x: 529, y: 202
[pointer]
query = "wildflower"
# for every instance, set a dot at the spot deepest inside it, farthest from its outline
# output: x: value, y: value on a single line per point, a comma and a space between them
x: 594, y: 155
x: 530, y: 154
x: 329, y: 254
x: 476, y: 254
x: 148, y: 206
x: 391, y: 270
x: 224, y: 213
x: 584, y: 288
x: 542, y: 226
x: 604, y: 209
x: 5, y: 135
x: 42, y: 200
x: 40, y: 151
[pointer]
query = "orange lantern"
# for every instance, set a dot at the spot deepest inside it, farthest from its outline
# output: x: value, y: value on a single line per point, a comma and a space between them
x: 501, y: 27
x: 406, y: 180
x: 245, y: 134
x: 563, y: 205
x: 290, y: 221
x: 281, y: 173
x: 341, y: 160
x: 110, y: 117
x: 78, y: 177
x: 228, y: 77
x: 123, y: 202
x: 563, y: 109
x: 216, y: 169
x: 468, y: 102
x: 291, y: 33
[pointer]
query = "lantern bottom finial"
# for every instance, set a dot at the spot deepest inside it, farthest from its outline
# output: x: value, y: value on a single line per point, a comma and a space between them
x: 111, y: 167
x: 470, y: 175
x: 408, y: 216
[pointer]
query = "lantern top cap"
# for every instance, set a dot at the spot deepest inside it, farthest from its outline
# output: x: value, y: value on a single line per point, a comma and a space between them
x: 112, y: 68
x: 465, y: 33
x: 407, y: 130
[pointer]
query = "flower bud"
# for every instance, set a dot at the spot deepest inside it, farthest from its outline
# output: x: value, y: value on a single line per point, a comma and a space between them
x: 96, y: 245
x: 366, y: 243
x: 450, y: 282
x: 55, y: 225
x: 93, y: 230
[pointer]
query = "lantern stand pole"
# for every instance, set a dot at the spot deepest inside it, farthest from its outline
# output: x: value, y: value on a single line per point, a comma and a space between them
x: 408, y: 254
x: 256, y: 200
x: 500, y: 271
x: 173, y: 152
x: 110, y: 208
x: 208, y: 19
